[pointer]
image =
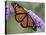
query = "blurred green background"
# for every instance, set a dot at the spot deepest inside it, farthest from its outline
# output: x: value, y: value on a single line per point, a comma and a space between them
x: 15, y: 27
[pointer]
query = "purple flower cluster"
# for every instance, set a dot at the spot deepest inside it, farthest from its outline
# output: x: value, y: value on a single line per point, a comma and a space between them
x: 9, y: 11
x: 38, y: 21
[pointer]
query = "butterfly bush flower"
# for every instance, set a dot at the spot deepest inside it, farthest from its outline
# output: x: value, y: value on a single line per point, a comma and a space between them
x: 9, y: 11
x: 38, y: 21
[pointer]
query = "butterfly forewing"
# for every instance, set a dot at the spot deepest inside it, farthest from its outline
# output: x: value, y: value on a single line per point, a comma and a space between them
x: 20, y: 17
x: 20, y: 13
x: 20, y: 10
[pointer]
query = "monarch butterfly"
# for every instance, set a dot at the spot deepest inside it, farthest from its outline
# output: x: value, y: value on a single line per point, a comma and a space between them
x: 23, y: 17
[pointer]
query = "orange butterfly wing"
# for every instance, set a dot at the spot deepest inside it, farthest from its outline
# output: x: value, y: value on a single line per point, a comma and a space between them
x: 24, y: 22
x: 19, y: 13
x: 19, y: 9
x: 31, y: 23
x: 21, y: 16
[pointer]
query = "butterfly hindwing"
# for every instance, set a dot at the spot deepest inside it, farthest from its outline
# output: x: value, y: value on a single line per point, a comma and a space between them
x: 24, y: 22
x: 30, y: 21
